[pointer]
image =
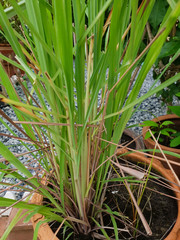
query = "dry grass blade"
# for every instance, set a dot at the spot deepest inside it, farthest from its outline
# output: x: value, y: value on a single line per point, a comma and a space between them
x: 15, y: 125
x: 161, y: 193
x: 121, y: 149
x: 14, y: 185
x: 124, y: 220
x: 53, y: 124
x: 19, y: 138
x: 146, y: 226
x: 137, y: 174
x: 55, y: 234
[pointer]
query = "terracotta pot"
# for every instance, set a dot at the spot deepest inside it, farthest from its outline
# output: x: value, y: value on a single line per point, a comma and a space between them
x: 21, y: 231
x: 137, y: 142
x: 139, y: 157
x: 7, y: 51
x: 150, y: 144
x: 45, y: 232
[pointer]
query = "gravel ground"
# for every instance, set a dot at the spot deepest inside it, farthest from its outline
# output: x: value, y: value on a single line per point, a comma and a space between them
x: 152, y: 106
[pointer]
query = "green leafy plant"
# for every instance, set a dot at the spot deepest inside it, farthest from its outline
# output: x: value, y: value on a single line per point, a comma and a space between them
x: 175, y: 142
x: 168, y: 50
x: 164, y: 132
x: 73, y: 122
x: 176, y: 110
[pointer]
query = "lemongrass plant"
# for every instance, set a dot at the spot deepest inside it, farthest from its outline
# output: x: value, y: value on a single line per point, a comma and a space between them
x: 79, y: 57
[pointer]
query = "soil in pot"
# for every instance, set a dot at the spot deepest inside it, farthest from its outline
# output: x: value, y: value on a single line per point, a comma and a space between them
x: 131, y: 140
x: 160, y: 211
x: 127, y: 139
